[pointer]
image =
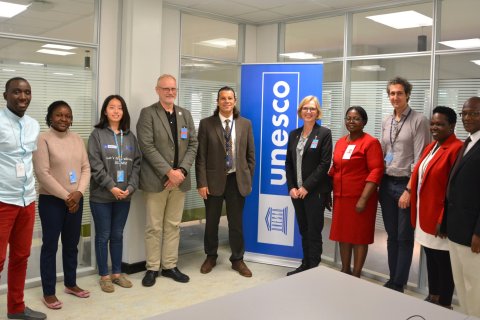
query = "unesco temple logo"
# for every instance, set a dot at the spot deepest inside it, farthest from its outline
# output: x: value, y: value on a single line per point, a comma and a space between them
x: 277, y: 219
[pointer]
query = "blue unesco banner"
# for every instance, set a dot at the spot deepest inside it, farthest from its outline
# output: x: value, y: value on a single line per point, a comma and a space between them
x: 269, y: 98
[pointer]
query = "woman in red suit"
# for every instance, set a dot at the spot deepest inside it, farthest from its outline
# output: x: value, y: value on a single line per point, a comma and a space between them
x: 357, y: 170
x: 428, y: 186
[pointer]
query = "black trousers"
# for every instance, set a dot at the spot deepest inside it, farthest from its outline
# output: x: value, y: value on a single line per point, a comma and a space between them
x: 234, y: 202
x: 440, y: 278
x: 309, y: 213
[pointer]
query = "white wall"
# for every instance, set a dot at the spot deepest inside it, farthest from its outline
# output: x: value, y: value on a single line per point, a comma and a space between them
x: 129, y: 64
x: 267, y: 43
x: 250, y: 44
x: 171, y: 37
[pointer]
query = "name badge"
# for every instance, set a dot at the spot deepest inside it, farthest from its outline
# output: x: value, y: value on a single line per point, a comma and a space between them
x: 72, y: 176
x: 111, y: 146
x: 183, y: 133
x: 120, y: 176
x: 348, y: 153
x: 20, y: 169
x: 314, y: 144
x: 389, y: 158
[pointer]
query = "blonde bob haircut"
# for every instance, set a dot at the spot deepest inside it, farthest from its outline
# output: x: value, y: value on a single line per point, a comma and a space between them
x: 307, y: 100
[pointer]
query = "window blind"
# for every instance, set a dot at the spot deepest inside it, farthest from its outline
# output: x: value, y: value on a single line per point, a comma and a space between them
x: 49, y: 83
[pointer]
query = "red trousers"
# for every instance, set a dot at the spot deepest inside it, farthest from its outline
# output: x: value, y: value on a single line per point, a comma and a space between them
x: 16, y: 229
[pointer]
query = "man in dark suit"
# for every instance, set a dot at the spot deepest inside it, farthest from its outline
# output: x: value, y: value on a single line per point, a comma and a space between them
x: 224, y: 168
x: 461, y: 220
x: 167, y: 139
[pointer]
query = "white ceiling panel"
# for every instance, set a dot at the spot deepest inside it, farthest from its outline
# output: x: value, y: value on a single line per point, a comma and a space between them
x: 225, y: 8
x: 266, y: 11
x: 261, y: 16
x: 306, y: 8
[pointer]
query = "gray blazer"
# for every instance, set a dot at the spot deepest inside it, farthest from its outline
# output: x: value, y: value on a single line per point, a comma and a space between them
x: 158, y: 148
x: 210, y: 164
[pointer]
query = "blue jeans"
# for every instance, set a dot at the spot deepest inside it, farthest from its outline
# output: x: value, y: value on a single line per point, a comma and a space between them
x: 110, y: 219
x: 56, y: 221
x: 399, y: 229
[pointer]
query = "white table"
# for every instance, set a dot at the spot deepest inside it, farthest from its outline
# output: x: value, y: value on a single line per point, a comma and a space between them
x: 320, y: 293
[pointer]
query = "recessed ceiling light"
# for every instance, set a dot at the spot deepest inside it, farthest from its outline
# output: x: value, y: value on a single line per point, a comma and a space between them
x: 31, y: 63
x: 58, y: 46
x: 372, y: 68
x: 476, y: 62
x: 8, y: 10
x: 219, y: 43
x: 462, y: 44
x: 55, y: 52
x: 300, y: 55
x: 403, y: 19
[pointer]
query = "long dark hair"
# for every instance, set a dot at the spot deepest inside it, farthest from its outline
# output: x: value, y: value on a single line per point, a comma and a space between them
x: 236, y: 113
x: 124, y: 122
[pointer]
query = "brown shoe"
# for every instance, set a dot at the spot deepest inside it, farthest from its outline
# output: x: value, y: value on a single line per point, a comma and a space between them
x: 208, y: 264
x: 242, y: 268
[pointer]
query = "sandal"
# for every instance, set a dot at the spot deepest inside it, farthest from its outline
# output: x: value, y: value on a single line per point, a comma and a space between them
x: 57, y: 304
x: 106, y: 285
x: 122, y: 281
x: 79, y: 294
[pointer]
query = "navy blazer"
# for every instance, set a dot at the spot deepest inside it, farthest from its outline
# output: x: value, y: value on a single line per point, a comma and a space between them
x: 462, y: 206
x: 315, y: 161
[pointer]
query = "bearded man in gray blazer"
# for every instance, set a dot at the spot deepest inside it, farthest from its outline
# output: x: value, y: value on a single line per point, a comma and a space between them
x: 224, y: 168
x: 168, y: 141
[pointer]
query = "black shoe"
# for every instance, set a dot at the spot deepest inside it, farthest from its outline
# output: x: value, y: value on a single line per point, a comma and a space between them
x: 175, y: 274
x: 302, y: 267
x: 27, y: 314
x: 149, y: 278
x: 393, y: 286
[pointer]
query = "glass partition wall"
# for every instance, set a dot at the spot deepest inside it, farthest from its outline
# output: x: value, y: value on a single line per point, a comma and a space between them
x: 54, y: 46
x: 362, y: 50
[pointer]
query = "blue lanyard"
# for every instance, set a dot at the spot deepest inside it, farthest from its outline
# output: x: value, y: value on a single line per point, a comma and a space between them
x: 392, y: 141
x: 119, y: 148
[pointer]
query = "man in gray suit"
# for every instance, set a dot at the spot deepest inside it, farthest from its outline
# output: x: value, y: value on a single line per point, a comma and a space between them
x: 224, y: 168
x: 167, y: 139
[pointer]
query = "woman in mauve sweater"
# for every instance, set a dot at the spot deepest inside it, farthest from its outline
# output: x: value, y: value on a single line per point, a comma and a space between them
x: 63, y: 173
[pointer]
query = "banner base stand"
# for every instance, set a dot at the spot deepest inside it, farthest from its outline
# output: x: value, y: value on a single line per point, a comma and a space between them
x: 273, y: 260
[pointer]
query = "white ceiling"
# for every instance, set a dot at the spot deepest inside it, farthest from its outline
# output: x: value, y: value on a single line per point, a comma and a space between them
x: 54, y: 19
x: 266, y: 11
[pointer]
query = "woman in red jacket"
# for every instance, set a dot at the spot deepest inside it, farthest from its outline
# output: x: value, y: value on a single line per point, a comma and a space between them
x: 357, y: 171
x: 428, y: 186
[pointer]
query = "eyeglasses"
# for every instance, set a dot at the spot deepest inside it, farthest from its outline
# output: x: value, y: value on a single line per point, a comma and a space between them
x: 166, y: 90
x: 348, y: 119
x: 309, y: 109
x: 471, y: 114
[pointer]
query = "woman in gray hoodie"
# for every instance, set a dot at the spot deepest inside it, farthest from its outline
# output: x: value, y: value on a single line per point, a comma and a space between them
x: 115, y: 166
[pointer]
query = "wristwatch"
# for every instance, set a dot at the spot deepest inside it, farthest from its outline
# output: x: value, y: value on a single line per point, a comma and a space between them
x: 183, y: 171
x: 407, y: 189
